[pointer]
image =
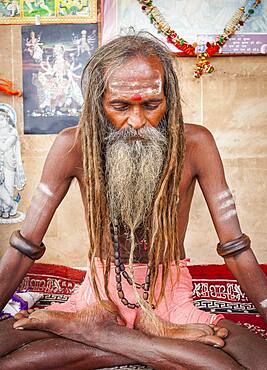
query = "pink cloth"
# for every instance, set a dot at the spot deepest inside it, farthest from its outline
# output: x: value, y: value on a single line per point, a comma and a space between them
x: 176, y: 307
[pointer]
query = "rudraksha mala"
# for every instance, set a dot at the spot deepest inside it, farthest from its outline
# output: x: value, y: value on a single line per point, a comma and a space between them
x: 121, y: 272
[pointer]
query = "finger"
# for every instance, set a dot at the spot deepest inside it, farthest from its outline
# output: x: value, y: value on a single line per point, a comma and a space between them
x: 212, y: 340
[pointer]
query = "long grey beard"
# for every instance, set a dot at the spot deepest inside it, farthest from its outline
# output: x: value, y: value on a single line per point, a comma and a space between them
x: 133, y: 170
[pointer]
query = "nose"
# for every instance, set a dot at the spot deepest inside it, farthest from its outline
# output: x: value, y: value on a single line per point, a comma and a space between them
x: 136, y: 118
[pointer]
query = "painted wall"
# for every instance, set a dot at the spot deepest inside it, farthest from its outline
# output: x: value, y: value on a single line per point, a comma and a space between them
x: 230, y: 102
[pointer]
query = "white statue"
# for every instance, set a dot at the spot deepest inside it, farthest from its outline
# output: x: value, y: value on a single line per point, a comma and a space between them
x: 11, y: 170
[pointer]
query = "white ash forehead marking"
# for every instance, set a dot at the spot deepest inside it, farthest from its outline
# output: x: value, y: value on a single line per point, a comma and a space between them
x: 264, y: 303
x: 229, y: 214
x: 125, y: 84
x: 136, y: 87
x: 224, y: 194
x: 227, y: 203
x: 45, y: 189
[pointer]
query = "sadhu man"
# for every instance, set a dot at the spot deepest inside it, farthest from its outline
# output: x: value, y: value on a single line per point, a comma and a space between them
x: 137, y: 165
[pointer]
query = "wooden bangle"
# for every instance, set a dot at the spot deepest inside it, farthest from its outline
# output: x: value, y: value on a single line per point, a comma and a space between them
x: 234, y: 247
x: 24, y: 246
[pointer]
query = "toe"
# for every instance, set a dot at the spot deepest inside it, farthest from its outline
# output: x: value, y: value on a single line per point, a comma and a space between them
x: 207, y: 329
x: 212, y: 340
x: 35, y: 320
x: 221, y: 332
x: 26, y: 323
x: 23, y: 313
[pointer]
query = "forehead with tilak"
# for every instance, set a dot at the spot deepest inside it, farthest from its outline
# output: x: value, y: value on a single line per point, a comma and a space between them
x: 137, y: 79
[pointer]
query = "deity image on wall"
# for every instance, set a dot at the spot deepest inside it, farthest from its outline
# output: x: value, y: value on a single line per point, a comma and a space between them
x: 53, y: 60
x: 12, y: 177
x: 48, y: 11
x: 40, y: 7
x: 9, y: 8
x: 73, y: 7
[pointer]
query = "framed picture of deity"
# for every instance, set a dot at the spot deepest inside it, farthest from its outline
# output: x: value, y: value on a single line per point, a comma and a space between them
x: 47, y: 11
x: 54, y: 57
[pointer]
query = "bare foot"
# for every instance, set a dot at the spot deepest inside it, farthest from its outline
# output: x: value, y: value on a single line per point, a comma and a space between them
x: 208, y: 334
x: 84, y: 326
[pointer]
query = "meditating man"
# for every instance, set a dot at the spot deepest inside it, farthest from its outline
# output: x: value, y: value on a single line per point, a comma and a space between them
x: 137, y: 165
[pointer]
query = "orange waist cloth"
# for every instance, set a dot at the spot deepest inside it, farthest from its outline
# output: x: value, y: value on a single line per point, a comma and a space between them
x: 177, y: 305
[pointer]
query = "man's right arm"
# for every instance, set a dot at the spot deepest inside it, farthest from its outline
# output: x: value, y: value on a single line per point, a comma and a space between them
x: 58, y: 171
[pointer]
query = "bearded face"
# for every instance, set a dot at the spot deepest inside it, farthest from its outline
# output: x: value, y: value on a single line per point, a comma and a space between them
x: 134, y: 104
x: 134, y: 163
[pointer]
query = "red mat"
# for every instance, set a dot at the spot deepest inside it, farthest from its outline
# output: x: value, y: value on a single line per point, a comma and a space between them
x: 215, y: 289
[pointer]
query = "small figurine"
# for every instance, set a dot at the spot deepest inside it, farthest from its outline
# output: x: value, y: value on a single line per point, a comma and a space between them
x: 11, y: 170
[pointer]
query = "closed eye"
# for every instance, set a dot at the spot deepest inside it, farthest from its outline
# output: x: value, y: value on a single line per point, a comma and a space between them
x: 120, y: 106
x: 151, y: 106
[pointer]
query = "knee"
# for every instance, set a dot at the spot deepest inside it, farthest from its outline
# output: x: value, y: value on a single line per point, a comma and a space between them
x: 247, y: 348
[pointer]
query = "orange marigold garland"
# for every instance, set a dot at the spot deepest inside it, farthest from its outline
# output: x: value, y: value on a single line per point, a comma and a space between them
x: 201, y: 51
x: 6, y: 87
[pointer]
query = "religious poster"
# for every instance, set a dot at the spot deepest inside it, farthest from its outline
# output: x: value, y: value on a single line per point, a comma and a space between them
x: 196, y: 22
x: 54, y: 57
x: 47, y: 11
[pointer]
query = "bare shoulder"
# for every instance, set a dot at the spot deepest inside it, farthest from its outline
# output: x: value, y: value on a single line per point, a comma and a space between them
x: 197, y: 135
x: 68, y: 141
x: 66, y: 150
x: 68, y: 138
x: 200, y: 148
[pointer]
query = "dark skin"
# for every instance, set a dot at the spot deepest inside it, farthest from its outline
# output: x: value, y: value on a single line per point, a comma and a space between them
x: 92, y: 338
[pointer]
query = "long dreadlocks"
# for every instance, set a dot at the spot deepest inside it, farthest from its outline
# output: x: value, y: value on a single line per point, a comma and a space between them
x: 163, y: 238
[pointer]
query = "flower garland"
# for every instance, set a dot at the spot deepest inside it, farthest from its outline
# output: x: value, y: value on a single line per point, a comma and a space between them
x: 201, y: 51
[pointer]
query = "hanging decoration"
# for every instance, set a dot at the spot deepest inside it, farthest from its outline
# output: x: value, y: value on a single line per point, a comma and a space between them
x: 6, y: 87
x: 203, y: 51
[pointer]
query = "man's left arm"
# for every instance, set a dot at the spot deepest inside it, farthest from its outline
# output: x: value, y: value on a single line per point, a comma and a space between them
x: 243, y: 264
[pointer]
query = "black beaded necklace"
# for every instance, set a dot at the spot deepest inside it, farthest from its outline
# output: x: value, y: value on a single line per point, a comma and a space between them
x: 120, y: 271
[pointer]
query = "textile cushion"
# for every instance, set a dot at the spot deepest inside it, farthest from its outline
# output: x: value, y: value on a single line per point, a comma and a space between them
x: 215, y: 289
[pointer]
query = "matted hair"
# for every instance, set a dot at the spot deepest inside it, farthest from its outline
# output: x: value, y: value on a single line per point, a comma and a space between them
x: 163, y: 236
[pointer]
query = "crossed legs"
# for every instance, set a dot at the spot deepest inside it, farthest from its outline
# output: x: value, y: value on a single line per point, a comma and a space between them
x: 93, y: 343
x: 51, y: 352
